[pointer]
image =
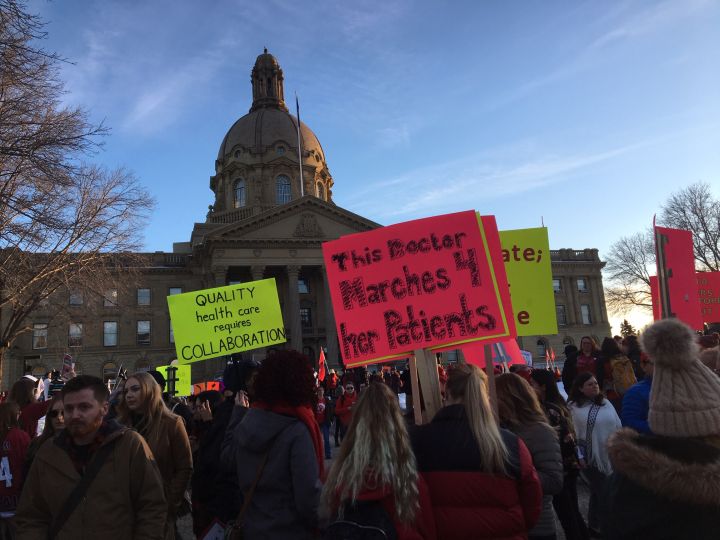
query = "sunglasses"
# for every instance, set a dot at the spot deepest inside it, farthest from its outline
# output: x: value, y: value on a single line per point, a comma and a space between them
x: 55, y: 413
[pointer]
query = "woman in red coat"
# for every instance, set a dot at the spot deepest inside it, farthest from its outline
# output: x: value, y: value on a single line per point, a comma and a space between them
x: 481, y: 478
x: 374, y: 475
x: 344, y: 407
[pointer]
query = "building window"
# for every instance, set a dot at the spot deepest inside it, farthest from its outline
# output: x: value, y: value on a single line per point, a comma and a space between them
x: 239, y: 191
x: 306, y: 317
x: 172, y: 334
x: 238, y: 153
x: 561, y: 315
x: 76, y: 298
x: 143, y: 332
x: 582, y: 285
x: 585, y: 311
x: 320, y: 190
x: 110, y: 333
x: 110, y: 298
x: 567, y: 340
x: 143, y: 297
x: 39, y: 340
x: 303, y: 286
x: 541, y: 348
x: 282, y: 189
x: 142, y: 365
x: 557, y: 285
x: 174, y: 290
x: 280, y: 150
x: 75, y: 335
x: 109, y: 372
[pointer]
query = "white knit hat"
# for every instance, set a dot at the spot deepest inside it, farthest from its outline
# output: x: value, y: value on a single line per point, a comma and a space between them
x: 685, y: 395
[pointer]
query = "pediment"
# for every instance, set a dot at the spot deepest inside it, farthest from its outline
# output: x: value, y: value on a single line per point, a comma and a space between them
x: 305, y: 219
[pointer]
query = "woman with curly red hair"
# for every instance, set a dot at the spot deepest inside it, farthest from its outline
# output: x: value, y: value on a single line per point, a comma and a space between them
x: 276, y: 446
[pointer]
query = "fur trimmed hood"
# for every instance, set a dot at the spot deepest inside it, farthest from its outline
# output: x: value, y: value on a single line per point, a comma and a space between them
x: 680, y: 469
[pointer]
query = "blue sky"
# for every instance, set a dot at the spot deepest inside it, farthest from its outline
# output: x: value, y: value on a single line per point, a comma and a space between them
x: 587, y: 113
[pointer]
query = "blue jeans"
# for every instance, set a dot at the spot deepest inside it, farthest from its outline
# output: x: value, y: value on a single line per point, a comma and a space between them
x: 325, y: 428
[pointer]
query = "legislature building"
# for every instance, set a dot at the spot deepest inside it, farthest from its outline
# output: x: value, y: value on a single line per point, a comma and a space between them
x: 266, y: 220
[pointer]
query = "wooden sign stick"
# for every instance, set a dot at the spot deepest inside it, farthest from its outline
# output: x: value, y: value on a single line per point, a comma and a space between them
x: 429, y: 382
x: 490, y: 372
x: 415, y: 387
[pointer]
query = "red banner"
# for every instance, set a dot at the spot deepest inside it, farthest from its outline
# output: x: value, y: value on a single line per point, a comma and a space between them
x: 676, y: 275
x: 708, y: 296
x: 418, y: 285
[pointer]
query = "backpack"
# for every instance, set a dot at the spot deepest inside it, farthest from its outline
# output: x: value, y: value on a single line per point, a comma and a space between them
x: 362, y: 520
x: 622, y: 373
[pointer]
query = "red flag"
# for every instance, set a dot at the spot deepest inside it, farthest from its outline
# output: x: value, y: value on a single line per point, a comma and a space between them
x: 321, y: 365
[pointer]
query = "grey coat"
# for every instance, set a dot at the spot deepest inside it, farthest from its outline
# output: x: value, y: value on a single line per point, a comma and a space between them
x: 544, y: 448
x: 286, y: 498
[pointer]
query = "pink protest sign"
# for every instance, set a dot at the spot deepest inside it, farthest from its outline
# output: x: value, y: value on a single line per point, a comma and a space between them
x: 417, y: 285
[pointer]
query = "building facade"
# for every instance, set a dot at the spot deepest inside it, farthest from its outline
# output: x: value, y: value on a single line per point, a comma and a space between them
x: 272, y: 210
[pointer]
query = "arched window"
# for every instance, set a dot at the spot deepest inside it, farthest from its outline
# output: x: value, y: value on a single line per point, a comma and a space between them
x: 282, y: 189
x: 239, y: 191
x: 143, y: 364
x: 320, y: 190
x: 567, y: 340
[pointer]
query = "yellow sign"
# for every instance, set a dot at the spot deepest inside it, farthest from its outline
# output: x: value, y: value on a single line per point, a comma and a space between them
x: 526, y: 253
x: 177, y: 379
x: 226, y: 320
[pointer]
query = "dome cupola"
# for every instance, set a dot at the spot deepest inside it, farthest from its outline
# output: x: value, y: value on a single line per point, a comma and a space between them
x: 267, y: 84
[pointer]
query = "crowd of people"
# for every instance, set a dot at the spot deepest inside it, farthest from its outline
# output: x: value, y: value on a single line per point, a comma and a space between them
x: 640, y: 427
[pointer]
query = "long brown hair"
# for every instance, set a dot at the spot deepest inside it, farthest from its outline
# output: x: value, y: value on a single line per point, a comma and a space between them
x: 468, y: 384
x: 8, y: 417
x: 153, y: 409
x: 518, y: 404
x: 375, y: 453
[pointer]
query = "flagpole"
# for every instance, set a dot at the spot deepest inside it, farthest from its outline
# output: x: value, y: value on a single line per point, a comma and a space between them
x: 302, y: 181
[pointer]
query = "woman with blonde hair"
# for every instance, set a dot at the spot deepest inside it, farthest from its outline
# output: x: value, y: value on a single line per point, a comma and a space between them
x: 142, y: 408
x: 376, y: 470
x: 521, y: 413
x: 481, y: 478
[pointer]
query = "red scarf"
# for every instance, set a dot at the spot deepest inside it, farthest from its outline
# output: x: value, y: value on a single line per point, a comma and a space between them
x: 306, y: 415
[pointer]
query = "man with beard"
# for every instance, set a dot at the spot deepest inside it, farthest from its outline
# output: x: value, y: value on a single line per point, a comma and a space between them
x: 97, y: 479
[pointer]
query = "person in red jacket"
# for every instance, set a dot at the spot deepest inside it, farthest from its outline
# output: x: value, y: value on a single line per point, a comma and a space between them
x: 481, y: 478
x: 374, y: 480
x: 14, y: 443
x: 344, y: 408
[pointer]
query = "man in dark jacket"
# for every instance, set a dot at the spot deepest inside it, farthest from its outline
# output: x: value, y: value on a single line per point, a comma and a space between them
x: 126, y: 498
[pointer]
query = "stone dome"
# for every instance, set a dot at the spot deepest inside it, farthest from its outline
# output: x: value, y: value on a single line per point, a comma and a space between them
x: 266, y: 129
x: 257, y: 163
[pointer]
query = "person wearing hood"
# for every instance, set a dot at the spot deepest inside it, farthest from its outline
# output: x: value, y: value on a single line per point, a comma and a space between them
x: 276, y: 446
x: 667, y: 485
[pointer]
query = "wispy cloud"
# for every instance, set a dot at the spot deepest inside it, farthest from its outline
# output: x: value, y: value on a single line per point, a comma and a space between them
x: 472, y: 181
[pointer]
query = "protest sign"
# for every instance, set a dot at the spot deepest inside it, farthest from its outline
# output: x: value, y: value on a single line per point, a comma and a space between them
x: 207, y: 385
x: 177, y: 379
x: 505, y: 351
x: 708, y: 296
x: 225, y: 320
x: 676, y: 276
x: 416, y: 285
x: 526, y: 253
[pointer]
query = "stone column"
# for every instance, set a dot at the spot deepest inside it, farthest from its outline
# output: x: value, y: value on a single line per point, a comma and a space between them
x: 220, y: 275
x: 573, y: 308
x: 330, y: 330
x: 294, y: 308
x: 598, y: 299
x: 257, y: 272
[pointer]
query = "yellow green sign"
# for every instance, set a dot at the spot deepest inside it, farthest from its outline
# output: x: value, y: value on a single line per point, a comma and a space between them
x: 177, y: 379
x: 226, y: 320
x: 526, y: 253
